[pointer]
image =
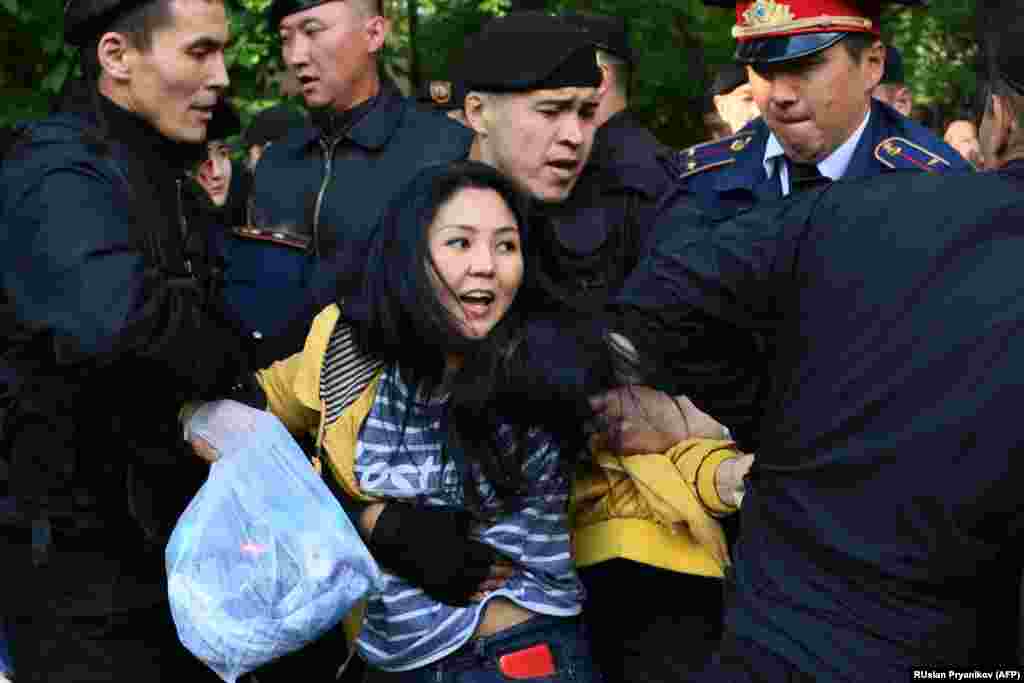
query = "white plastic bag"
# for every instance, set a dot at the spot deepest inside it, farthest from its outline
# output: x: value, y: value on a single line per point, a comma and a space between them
x: 263, y: 560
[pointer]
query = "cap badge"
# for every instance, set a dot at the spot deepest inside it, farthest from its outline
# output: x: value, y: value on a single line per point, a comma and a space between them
x: 441, y: 92
x: 767, y: 13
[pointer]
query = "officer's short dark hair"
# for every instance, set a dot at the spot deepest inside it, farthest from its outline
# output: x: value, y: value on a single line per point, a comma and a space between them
x: 138, y: 24
x: 857, y: 43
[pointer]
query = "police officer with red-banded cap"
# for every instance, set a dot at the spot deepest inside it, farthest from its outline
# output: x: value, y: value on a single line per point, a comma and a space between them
x: 813, y: 65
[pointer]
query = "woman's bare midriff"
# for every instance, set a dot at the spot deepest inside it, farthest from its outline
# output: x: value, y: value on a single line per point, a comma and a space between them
x: 500, y: 614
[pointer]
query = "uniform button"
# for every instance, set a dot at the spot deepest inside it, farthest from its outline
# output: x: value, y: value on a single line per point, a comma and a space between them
x: 257, y: 335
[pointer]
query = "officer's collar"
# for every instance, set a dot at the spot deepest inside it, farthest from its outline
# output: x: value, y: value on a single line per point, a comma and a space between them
x: 370, y: 124
x: 833, y: 166
x: 137, y: 134
x: 127, y: 128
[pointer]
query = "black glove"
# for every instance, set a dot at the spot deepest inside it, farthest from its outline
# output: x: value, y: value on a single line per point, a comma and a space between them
x: 430, y: 548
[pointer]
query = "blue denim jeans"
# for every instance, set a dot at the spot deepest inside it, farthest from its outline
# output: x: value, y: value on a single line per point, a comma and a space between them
x: 479, y: 660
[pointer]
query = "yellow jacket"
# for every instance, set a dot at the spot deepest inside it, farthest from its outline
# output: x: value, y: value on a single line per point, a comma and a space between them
x: 292, y: 387
x: 657, y: 509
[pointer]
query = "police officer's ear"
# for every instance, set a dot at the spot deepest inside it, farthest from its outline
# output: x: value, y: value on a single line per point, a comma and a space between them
x: 377, y: 29
x: 872, y: 63
x: 114, y: 53
x: 607, y: 78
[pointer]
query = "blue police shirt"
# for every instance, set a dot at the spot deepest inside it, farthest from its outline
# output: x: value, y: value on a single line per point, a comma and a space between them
x: 724, y: 177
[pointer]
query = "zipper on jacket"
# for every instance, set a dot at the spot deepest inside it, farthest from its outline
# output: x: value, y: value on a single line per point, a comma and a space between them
x: 328, y: 151
x: 184, y: 229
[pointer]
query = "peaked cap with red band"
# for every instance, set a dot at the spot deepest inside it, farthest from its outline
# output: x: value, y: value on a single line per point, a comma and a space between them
x: 769, y: 31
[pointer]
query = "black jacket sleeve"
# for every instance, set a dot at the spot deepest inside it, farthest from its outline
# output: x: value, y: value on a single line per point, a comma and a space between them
x: 703, y: 305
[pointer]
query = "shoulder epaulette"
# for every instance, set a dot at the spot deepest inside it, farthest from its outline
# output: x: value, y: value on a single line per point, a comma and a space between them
x: 901, y: 153
x: 709, y: 155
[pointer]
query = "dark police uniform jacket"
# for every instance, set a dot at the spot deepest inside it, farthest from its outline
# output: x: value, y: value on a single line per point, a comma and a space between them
x: 721, y: 179
x: 315, y: 201
x: 728, y: 175
x: 882, y: 521
x: 116, y: 340
x: 598, y: 234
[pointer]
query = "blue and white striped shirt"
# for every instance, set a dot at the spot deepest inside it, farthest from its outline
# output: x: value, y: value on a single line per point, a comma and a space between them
x: 406, y: 629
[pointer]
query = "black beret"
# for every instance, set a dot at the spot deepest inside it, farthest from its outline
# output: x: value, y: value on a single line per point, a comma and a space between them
x: 86, y: 19
x: 442, y: 95
x: 279, y: 9
x: 893, y: 66
x: 272, y: 124
x: 611, y: 34
x: 530, y: 51
x: 728, y: 78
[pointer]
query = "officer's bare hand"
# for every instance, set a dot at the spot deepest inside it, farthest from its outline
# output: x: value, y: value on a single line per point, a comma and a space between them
x: 204, y: 450
x: 638, y: 419
x: 729, y: 479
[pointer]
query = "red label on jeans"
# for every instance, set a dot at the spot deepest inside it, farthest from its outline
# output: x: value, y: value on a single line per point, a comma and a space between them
x: 532, y: 662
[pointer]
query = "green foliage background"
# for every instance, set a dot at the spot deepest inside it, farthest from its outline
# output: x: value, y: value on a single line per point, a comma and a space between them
x: 679, y: 43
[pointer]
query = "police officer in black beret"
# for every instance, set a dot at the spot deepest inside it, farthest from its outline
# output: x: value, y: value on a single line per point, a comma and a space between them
x: 117, y: 322
x: 535, y: 113
x: 317, y: 192
x: 882, y: 521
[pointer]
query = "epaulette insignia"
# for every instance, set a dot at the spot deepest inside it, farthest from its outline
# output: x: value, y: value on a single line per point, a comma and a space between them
x: 709, y: 155
x: 285, y: 238
x: 902, y: 153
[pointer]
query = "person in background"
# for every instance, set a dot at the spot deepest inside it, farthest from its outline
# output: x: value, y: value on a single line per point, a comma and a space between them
x: 733, y: 97
x: 225, y: 188
x: 893, y: 89
x: 267, y: 127
x: 446, y: 97
x: 714, y: 124
x: 962, y: 135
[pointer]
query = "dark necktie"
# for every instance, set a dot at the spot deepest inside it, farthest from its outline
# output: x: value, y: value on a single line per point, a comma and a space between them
x: 804, y: 177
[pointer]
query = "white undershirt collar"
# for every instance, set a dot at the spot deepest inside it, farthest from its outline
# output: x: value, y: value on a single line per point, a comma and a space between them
x: 833, y: 166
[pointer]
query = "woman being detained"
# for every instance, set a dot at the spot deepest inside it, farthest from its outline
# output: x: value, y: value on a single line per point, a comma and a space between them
x: 455, y: 459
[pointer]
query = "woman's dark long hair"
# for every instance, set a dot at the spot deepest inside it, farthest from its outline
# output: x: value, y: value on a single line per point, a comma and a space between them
x: 532, y: 372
